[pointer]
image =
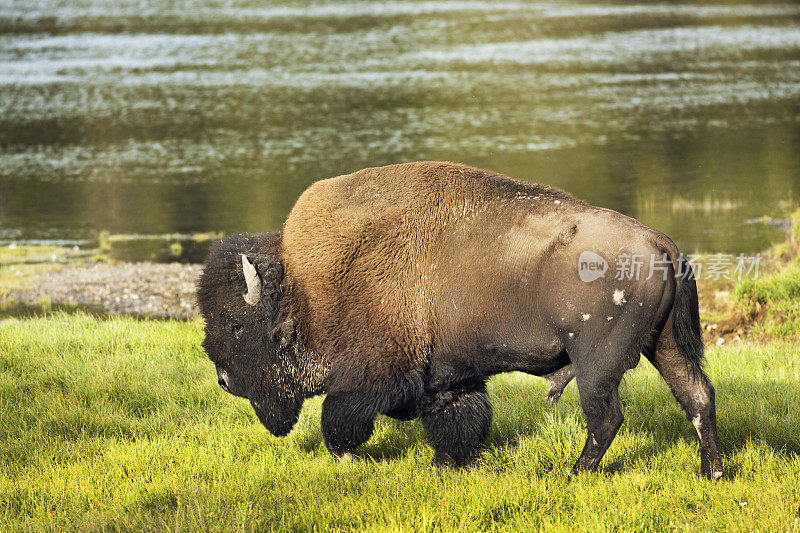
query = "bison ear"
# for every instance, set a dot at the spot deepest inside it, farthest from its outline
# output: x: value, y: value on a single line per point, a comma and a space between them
x: 253, y: 294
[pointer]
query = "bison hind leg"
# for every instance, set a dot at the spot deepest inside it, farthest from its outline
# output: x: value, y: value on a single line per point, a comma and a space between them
x: 599, y: 373
x: 457, y: 423
x: 600, y: 403
x: 695, y: 393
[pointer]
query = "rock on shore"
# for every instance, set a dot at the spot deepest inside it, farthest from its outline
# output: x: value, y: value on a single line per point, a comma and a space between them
x: 149, y: 289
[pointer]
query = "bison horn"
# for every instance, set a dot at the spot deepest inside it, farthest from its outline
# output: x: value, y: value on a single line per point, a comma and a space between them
x: 253, y: 282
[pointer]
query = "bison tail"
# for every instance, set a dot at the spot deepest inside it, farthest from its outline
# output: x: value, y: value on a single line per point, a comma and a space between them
x: 686, y: 314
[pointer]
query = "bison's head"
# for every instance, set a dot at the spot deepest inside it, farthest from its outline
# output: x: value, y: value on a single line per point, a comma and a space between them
x: 238, y: 294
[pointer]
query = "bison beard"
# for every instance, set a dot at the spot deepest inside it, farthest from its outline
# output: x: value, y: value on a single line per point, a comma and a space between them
x: 279, y: 417
x: 399, y: 290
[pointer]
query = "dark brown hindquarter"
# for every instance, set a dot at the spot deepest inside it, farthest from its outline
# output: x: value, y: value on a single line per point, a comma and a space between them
x: 512, y: 298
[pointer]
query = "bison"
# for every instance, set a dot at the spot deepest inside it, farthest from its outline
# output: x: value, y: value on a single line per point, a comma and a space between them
x: 399, y: 290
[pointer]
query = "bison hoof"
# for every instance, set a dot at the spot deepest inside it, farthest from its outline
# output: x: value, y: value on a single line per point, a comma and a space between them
x: 553, y: 396
x: 444, y: 459
x: 712, y: 469
x: 716, y: 475
x: 447, y: 460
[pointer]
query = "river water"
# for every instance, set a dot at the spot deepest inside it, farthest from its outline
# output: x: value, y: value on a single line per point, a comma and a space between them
x: 146, y: 117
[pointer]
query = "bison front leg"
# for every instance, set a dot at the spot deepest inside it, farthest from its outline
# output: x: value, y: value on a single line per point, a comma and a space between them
x: 347, y: 422
x: 457, y: 424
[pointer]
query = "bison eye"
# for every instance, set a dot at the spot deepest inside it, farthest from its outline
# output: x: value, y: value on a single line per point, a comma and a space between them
x: 236, y: 329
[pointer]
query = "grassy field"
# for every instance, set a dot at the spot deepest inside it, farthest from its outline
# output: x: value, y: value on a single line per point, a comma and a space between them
x: 118, y: 423
x: 771, y: 301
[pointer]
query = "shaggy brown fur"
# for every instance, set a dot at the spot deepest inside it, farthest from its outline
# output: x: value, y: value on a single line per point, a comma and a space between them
x: 361, y: 252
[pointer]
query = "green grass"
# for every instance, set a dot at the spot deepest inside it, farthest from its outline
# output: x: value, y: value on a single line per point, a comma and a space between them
x: 105, y: 239
x: 774, y: 298
x: 119, y: 424
x: 771, y: 300
x: 795, y: 218
x: 28, y: 253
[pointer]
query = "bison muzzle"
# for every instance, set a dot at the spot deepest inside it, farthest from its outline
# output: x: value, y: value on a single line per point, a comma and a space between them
x: 399, y: 290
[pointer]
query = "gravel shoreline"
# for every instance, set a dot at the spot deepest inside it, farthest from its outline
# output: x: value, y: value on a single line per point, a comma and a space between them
x: 146, y: 289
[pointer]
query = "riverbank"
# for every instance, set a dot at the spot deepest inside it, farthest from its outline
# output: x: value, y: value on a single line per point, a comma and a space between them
x: 144, y: 289
x: 36, y: 279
